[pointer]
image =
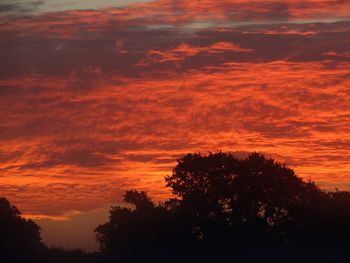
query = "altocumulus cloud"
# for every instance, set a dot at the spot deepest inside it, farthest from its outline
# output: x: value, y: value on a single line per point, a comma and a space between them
x: 111, y: 96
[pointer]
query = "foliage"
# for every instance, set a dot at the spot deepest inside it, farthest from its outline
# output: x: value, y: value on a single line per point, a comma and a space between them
x: 223, y: 203
x: 19, y: 237
x: 224, y: 208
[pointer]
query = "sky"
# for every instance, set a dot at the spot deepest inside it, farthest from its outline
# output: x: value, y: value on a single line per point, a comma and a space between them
x: 97, y: 97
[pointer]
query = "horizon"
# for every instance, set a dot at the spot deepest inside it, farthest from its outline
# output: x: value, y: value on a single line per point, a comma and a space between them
x: 98, y: 98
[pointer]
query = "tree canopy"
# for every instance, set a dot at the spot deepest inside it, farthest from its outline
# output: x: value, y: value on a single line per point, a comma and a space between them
x: 226, y: 203
x: 19, y: 237
x: 223, y: 208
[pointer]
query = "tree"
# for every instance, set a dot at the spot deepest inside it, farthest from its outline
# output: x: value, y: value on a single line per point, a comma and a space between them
x: 19, y: 237
x: 225, y: 203
x: 257, y: 195
x: 146, y: 229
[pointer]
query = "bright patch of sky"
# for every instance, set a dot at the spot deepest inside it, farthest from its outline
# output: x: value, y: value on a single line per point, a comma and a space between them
x: 20, y: 7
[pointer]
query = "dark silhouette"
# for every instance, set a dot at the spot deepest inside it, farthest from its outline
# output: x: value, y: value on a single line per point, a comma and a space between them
x: 60, y: 255
x: 19, y: 237
x: 252, y: 208
x: 20, y: 241
x: 224, y: 209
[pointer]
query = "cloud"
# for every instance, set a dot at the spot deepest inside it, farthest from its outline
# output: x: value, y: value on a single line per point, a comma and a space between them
x: 335, y: 54
x: 94, y: 102
x: 9, y: 7
x: 134, y: 131
x: 182, y: 51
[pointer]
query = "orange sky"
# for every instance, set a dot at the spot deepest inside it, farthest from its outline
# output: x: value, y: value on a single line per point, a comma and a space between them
x: 94, y: 102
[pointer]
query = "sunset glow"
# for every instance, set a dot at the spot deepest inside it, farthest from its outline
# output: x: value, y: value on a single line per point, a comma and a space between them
x: 99, y: 99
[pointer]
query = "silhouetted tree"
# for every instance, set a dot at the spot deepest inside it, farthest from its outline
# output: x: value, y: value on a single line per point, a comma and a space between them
x: 247, y: 201
x: 20, y: 241
x: 226, y: 205
x: 145, y: 229
x: 19, y: 237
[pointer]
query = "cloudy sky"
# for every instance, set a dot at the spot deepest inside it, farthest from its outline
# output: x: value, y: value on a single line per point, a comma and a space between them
x: 97, y: 97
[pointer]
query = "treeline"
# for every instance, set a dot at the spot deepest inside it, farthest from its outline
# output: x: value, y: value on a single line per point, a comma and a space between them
x: 224, y: 209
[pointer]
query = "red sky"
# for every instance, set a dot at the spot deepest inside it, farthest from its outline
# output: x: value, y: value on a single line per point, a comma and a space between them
x: 94, y: 101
